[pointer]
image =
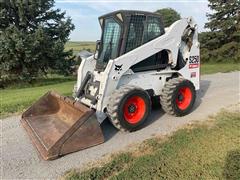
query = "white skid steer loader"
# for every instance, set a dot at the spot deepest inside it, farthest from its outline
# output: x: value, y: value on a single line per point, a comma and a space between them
x: 135, y: 60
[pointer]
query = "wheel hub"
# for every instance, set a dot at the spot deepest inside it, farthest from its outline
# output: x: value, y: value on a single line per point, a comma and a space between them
x: 180, y: 97
x: 132, y: 108
x: 184, y: 98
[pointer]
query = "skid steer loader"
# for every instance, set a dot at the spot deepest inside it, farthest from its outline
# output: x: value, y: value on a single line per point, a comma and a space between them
x: 135, y: 60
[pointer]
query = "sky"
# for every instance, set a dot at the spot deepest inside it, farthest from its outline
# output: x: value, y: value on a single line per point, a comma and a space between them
x: 85, y: 13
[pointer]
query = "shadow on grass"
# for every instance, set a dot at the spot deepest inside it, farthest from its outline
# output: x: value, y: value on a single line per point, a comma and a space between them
x: 232, y: 165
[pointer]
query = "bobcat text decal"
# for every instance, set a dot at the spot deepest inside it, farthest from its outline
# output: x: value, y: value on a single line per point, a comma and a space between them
x: 193, y: 62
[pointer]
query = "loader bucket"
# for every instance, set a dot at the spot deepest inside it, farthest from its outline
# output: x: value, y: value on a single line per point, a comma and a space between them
x: 58, y: 125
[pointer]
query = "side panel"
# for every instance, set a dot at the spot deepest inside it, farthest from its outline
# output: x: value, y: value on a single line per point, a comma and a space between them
x: 191, y: 70
x: 146, y: 80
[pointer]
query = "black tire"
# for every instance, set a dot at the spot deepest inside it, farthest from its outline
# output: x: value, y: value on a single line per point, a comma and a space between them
x: 117, y: 106
x: 155, y: 102
x: 173, y: 99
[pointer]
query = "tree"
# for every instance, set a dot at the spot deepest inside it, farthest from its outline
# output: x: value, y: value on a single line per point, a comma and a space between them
x: 225, y: 19
x: 32, y: 38
x: 223, y: 41
x: 169, y: 16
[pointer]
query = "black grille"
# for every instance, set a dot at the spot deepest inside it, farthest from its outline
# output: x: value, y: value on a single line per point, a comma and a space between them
x: 153, y: 29
x: 135, y: 33
x: 141, y: 30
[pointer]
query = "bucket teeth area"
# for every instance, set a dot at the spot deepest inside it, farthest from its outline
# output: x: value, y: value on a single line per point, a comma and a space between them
x: 58, y: 125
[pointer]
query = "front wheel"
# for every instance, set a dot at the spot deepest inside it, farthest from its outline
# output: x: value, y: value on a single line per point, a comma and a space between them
x: 178, y: 97
x: 128, y: 108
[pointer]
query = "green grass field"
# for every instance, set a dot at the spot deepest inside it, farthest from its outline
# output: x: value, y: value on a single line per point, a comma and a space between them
x: 203, y: 151
x: 17, y: 99
x: 77, y: 46
x: 219, y: 67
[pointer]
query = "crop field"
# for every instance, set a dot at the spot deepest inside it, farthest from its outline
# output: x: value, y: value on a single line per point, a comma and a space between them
x: 77, y: 46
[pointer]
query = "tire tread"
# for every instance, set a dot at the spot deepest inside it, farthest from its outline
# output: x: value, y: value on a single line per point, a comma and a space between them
x: 114, y: 100
x: 167, y: 93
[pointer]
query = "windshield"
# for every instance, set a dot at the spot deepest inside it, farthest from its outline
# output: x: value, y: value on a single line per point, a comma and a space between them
x: 110, y: 41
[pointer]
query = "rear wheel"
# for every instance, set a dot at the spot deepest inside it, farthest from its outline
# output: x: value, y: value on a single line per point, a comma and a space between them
x: 128, y: 108
x: 178, y: 97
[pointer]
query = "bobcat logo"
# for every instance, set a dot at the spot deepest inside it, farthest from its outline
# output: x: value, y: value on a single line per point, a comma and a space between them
x: 118, y: 67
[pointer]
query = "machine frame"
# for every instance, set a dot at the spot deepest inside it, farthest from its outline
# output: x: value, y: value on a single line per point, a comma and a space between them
x: 118, y: 73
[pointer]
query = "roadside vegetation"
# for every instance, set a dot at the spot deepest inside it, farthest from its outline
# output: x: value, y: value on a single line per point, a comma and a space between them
x: 209, y: 150
x: 49, y: 79
x: 211, y: 68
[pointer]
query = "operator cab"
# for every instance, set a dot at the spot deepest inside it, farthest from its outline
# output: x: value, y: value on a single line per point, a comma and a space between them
x: 123, y: 31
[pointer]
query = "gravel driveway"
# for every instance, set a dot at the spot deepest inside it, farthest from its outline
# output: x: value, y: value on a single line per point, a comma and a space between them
x: 21, y: 160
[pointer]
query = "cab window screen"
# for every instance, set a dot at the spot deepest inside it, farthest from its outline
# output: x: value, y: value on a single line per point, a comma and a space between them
x: 111, y: 37
x: 135, y: 32
x: 153, y: 29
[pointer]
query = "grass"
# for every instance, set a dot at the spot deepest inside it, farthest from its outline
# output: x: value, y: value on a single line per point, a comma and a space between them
x: 16, y: 100
x: 203, y: 151
x: 50, y: 79
x: 211, y: 68
x: 77, y: 46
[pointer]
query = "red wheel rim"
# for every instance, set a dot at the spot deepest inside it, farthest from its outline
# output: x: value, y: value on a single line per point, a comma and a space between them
x: 134, y: 109
x: 184, y: 98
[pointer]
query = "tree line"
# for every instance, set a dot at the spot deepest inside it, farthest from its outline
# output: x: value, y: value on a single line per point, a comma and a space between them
x: 222, y: 42
x: 33, y: 34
